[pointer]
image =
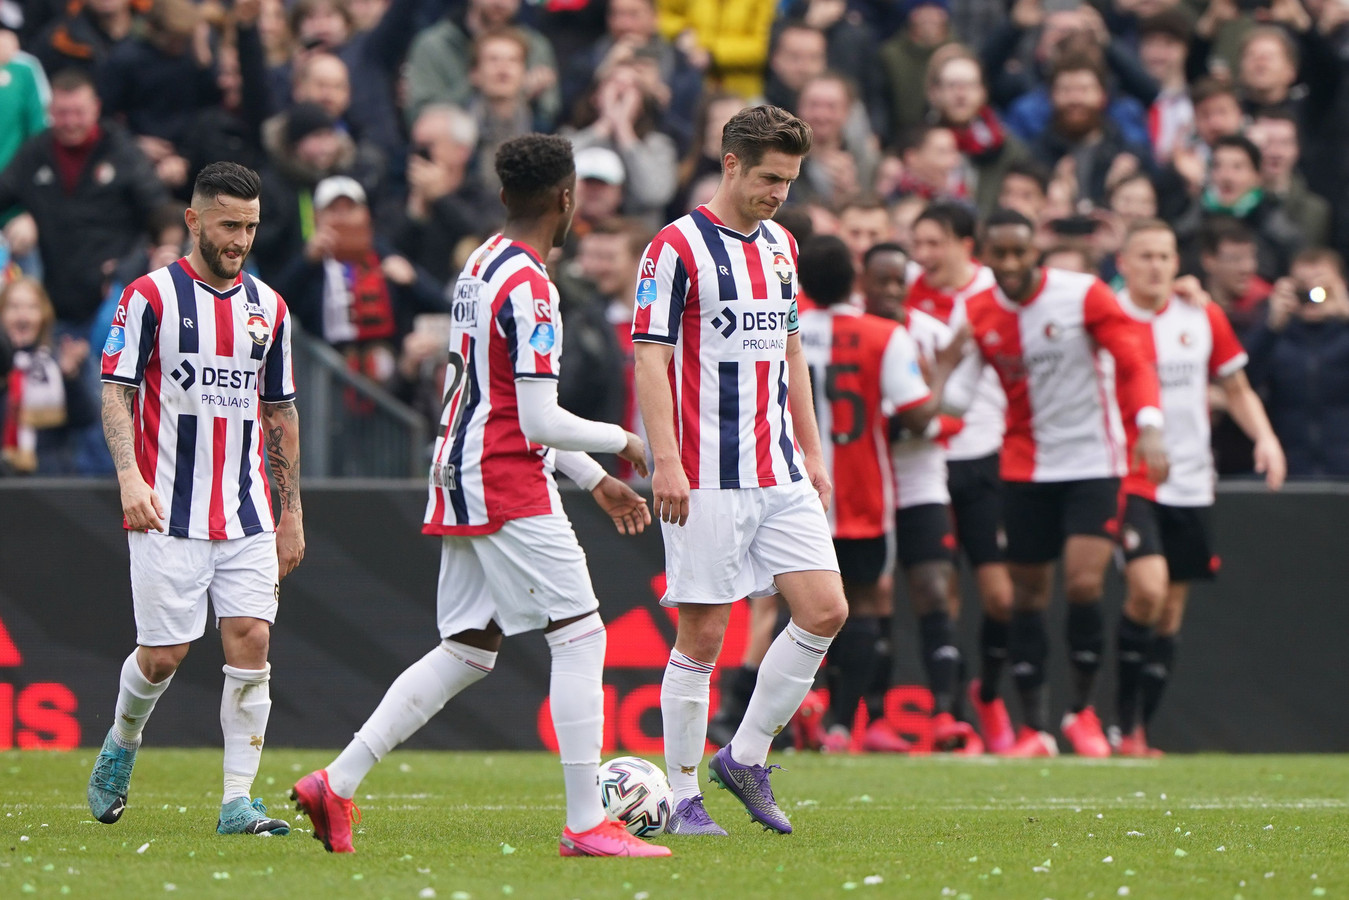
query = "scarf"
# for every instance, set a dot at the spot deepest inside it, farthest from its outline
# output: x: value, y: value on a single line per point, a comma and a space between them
x: 358, y: 319
x: 35, y: 398
x: 70, y: 161
x: 910, y: 185
x: 1240, y: 209
x: 982, y: 136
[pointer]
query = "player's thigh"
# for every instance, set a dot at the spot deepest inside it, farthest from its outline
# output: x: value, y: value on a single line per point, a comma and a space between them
x: 170, y: 577
x: 1187, y: 539
x: 463, y: 600
x: 1033, y: 516
x: 1091, y: 508
x: 536, y: 573
x: 793, y: 546
x: 246, y: 581
x: 707, y: 558
x: 924, y: 534
x: 976, y: 503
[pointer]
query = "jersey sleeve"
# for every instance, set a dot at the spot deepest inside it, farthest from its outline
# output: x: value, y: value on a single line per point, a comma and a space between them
x: 528, y: 321
x: 663, y: 282
x: 134, y: 333
x: 1228, y: 355
x: 278, y: 369
x: 902, y: 384
x: 1130, y: 343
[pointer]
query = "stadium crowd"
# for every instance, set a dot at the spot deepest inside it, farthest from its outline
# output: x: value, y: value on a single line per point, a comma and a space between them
x: 375, y: 123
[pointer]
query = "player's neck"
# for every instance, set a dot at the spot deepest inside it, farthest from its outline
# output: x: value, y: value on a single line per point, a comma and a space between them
x: 1037, y: 280
x: 1152, y: 303
x: 204, y: 273
x: 953, y: 278
x: 538, y: 236
x: 728, y: 215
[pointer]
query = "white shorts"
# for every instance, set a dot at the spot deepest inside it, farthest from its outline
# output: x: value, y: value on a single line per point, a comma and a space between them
x: 172, y: 576
x: 735, y: 541
x: 524, y: 576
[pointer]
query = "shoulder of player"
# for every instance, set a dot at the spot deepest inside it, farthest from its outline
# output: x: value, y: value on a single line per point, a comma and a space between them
x: 922, y: 323
x: 512, y: 269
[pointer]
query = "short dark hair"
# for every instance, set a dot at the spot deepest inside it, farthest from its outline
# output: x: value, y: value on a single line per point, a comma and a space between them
x: 303, y: 9
x: 637, y: 234
x: 228, y: 178
x: 796, y: 220
x: 72, y: 80
x: 1077, y: 62
x: 955, y: 218
x: 1145, y: 225
x: 825, y: 270
x: 1205, y: 89
x: 1239, y: 142
x: 530, y: 167
x: 1221, y: 230
x: 755, y: 130
x: 915, y: 136
x: 876, y: 250
x: 1314, y: 255
x: 1170, y: 22
x: 1004, y: 216
x: 865, y: 203
x: 1028, y: 168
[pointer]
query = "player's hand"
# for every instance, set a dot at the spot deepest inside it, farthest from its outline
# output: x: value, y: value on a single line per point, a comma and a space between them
x: 140, y: 504
x: 289, y: 543
x: 1151, y: 451
x: 1270, y: 462
x: 635, y: 453
x: 670, y: 489
x: 1283, y: 304
x: 818, y: 473
x: 625, y: 506
x: 1188, y: 288
x: 947, y: 358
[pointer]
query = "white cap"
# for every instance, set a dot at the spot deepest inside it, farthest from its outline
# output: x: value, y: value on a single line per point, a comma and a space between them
x: 329, y: 189
x: 601, y: 164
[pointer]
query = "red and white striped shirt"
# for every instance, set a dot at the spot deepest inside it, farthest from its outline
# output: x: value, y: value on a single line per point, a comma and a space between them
x: 203, y: 360
x: 1191, y: 344
x: 505, y: 327
x: 919, y: 463
x: 727, y: 302
x: 1056, y: 356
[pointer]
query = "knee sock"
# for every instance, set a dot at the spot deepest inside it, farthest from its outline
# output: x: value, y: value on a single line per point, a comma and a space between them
x: 1157, y: 669
x: 136, y: 699
x: 993, y: 638
x: 884, y: 670
x: 244, y: 707
x: 852, y: 665
x: 785, y: 676
x: 576, y: 695
x: 1028, y: 647
x: 941, y: 658
x: 1086, y: 640
x: 683, y: 711
x: 1131, y: 646
x: 414, y: 697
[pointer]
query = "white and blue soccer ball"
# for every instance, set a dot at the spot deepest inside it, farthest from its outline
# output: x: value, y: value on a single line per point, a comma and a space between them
x: 636, y: 793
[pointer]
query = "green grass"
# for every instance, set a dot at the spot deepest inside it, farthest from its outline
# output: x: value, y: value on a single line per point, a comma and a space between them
x: 483, y: 825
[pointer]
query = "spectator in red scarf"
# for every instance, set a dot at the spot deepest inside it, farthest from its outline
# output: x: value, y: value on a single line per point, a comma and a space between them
x: 933, y: 166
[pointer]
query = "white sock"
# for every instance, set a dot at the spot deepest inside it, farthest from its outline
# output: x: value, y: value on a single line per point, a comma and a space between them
x: 683, y: 711
x: 576, y: 698
x: 785, y: 676
x: 244, y: 707
x: 414, y: 697
x: 136, y: 699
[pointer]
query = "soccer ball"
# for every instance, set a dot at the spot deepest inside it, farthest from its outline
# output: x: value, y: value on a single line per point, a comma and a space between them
x: 636, y: 793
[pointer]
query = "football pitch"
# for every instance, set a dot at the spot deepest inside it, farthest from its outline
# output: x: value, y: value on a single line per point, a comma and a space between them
x: 473, y: 826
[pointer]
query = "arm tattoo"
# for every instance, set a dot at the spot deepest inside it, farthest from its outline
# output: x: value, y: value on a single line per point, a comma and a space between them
x: 118, y: 403
x: 283, y: 451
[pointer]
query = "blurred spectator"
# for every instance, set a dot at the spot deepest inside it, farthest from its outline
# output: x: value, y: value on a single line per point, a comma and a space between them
x: 729, y: 41
x: 604, y: 272
x: 1217, y: 113
x: 1275, y: 133
x: 704, y: 154
x: 1163, y: 48
x: 44, y: 400
x: 905, y: 58
x: 1299, y: 358
x: 932, y: 164
x: 447, y: 214
x: 1130, y: 199
x: 903, y: 213
x: 278, y: 41
x: 500, y: 105
x: 85, y: 33
x: 1227, y: 261
x: 621, y: 115
x: 841, y: 163
x: 88, y: 193
x: 850, y: 49
x: 600, y: 180
x: 799, y: 53
x: 1068, y: 257
x: 1025, y: 188
x: 438, y: 64
x: 24, y: 93
x: 864, y: 222
x: 959, y: 101
x: 232, y: 130
x: 365, y: 14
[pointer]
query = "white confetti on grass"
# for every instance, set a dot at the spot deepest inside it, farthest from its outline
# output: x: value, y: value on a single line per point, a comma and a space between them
x: 426, y: 893
x: 1222, y: 849
x: 1180, y: 852
x: 143, y: 847
x: 1108, y: 859
x: 1123, y: 890
x: 872, y: 879
x: 1134, y: 834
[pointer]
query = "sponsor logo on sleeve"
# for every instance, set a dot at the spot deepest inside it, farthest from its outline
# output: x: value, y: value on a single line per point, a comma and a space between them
x: 543, y: 338
x: 646, y: 292
x: 116, y: 341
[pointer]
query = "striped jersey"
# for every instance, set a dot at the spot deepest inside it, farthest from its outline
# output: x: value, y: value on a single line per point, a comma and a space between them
x: 919, y: 462
x: 863, y: 369
x: 1190, y: 344
x: 203, y: 360
x: 505, y: 326
x: 726, y: 302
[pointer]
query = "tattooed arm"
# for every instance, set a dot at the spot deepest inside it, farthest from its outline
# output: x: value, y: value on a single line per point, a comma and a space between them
x: 140, y: 504
x: 281, y: 427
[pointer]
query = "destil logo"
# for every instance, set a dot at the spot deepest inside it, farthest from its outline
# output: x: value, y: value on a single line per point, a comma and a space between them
x: 725, y: 322
x: 184, y: 376
x: 40, y: 716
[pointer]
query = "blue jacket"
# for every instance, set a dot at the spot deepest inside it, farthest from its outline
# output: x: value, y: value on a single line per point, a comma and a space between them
x: 1030, y: 114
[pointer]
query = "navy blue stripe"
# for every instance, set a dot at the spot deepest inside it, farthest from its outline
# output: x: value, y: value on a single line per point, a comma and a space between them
x: 679, y: 290
x: 180, y: 515
x: 274, y: 369
x: 248, y: 513
x: 784, y: 439
x: 251, y: 289
x: 509, y: 253
x: 728, y: 408
x: 186, y: 289
x: 720, y: 258
x: 149, y: 336
x: 506, y: 320
x: 457, y: 501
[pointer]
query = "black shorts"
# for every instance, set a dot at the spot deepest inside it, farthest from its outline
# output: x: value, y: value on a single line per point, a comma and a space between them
x: 1180, y: 533
x: 976, y: 504
x: 864, y: 560
x: 924, y: 534
x: 1040, y: 516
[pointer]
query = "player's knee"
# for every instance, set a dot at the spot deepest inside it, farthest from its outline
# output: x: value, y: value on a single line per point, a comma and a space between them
x: 1144, y: 604
x: 826, y: 618
x: 249, y: 640
x: 158, y: 663
x: 1084, y: 587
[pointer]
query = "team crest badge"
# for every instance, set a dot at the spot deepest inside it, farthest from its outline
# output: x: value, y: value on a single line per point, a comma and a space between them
x: 1052, y: 331
x: 782, y: 267
x: 257, y: 329
x: 1131, y: 538
x: 1186, y: 339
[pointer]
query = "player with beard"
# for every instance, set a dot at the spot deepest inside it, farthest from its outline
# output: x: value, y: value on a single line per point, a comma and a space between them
x: 197, y: 377
x: 1052, y: 336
